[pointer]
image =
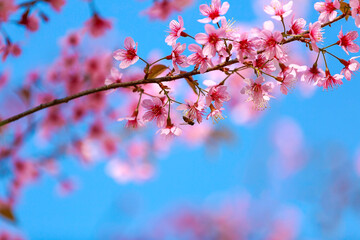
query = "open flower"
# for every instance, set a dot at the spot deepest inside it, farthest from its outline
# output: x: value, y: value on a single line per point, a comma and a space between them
x: 244, y: 47
x: 127, y: 56
x: 194, y: 111
x: 346, y: 42
x: 97, y: 25
x: 271, y: 44
x: 355, y: 10
x: 278, y: 10
x: 313, y: 75
x: 316, y: 35
x: 155, y: 110
x: 214, y: 11
x: 177, y: 58
x: 330, y: 81
x: 198, y: 58
x: 133, y: 121
x: 215, y: 114
x: 258, y: 92
x: 297, y: 26
x: 327, y: 10
x: 350, y: 66
x: 170, y: 130
x: 218, y: 94
x: 212, y: 40
x: 176, y: 28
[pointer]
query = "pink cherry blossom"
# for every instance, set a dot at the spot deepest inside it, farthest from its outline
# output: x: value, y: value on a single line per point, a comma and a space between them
x: 330, y: 81
x: 350, y: 67
x: 7, y: 7
x: 278, y: 10
x: 355, y: 10
x: 271, y: 44
x: 261, y: 62
x: 114, y: 77
x: 155, y: 109
x: 72, y: 39
x: 316, y: 35
x: 346, y: 42
x: 177, y: 58
x: 162, y: 9
x: 194, y: 111
x: 327, y: 10
x: 258, y: 92
x: 198, y: 58
x: 170, y: 130
x: 287, y: 78
x: 212, y: 40
x: 176, y: 29
x: 133, y: 121
x: 214, y: 11
x: 218, y: 94
x: 97, y: 26
x: 215, y: 114
x: 129, y: 55
x: 244, y: 47
x: 313, y: 75
x: 297, y: 26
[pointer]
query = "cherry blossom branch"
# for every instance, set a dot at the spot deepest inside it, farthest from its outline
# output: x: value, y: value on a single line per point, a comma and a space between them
x: 144, y: 80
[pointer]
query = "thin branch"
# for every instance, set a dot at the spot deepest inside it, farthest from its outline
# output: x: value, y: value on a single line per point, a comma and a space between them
x: 141, y: 81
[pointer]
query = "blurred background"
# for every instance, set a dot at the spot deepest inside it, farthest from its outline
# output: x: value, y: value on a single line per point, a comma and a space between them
x: 290, y: 172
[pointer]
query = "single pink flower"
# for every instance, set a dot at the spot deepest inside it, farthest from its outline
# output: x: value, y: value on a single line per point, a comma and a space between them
x: 218, y: 94
x: 31, y: 22
x: 212, y: 40
x: 194, y: 111
x: 355, y: 11
x: 214, y: 11
x: 198, y: 58
x: 133, y: 121
x: 327, y: 10
x: 57, y: 4
x: 155, y: 110
x: 287, y: 78
x: 297, y: 26
x: 7, y: 7
x: 313, y: 75
x: 215, y: 114
x: 316, y: 35
x: 97, y: 26
x: 270, y: 41
x: 129, y: 55
x: 177, y: 58
x: 278, y: 10
x: 258, y: 92
x: 170, y: 130
x: 72, y: 39
x: 346, y: 42
x: 330, y: 81
x: 162, y: 9
x: 351, y: 66
x: 114, y: 77
x: 244, y: 47
x: 176, y: 29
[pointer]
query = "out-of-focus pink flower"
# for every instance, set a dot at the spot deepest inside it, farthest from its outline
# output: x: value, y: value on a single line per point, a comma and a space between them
x: 316, y: 35
x: 176, y: 29
x: 72, y: 39
x: 330, y: 81
x: 214, y: 11
x: 218, y: 94
x: 155, y: 110
x: 114, y: 77
x: 327, y: 10
x: 244, y: 47
x: 57, y: 4
x: 278, y: 10
x: 66, y: 187
x: 31, y: 22
x: 287, y: 78
x: 346, y: 42
x: 258, y: 92
x: 297, y: 26
x: 97, y: 26
x: 4, y: 77
x: 212, y: 40
x: 162, y: 9
x: 313, y: 75
x: 177, y: 58
x: 7, y: 7
x: 351, y: 66
x: 129, y: 55
x: 198, y: 58
x: 25, y: 171
x: 355, y: 10
x: 194, y: 111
